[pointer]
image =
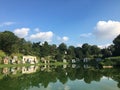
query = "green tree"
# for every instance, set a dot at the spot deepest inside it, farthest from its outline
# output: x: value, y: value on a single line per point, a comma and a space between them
x: 7, y: 40
x: 71, y: 52
x: 111, y: 48
x: 27, y: 48
x: 58, y: 57
x: 17, y: 46
x: 53, y: 50
x: 62, y: 48
x: 78, y: 52
x: 116, y: 42
x: 45, y: 49
x: 86, y: 49
x: 95, y: 50
x: 106, y: 53
x: 2, y: 55
x: 36, y: 47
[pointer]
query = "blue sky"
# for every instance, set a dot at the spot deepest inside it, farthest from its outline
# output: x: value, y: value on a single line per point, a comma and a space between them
x: 73, y: 22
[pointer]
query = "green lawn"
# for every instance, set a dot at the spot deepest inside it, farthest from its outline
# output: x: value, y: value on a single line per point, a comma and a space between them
x: 39, y: 64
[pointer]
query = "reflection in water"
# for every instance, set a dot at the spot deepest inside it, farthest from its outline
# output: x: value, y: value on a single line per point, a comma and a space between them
x: 71, y: 77
x: 30, y: 69
x: 23, y: 70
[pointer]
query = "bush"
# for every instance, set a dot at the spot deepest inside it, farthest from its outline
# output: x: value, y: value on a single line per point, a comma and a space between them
x: 19, y: 55
x: 2, y: 55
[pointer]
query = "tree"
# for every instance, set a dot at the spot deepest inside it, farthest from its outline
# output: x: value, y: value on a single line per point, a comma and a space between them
x: 45, y: 49
x: 27, y: 48
x: 36, y: 47
x: 86, y: 49
x: 78, y: 52
x: 2, y: 54
x: 95, y: 50
x: 106, y: 52
x: 116, y: 42
x: 62, y: 48
x: 7, y: 40
x: 71, y: 52
x: 53, y: 50
x: 111, y: 48
x: 58, y: 57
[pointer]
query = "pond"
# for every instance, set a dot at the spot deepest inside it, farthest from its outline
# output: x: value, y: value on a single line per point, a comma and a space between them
x: 66, y: 77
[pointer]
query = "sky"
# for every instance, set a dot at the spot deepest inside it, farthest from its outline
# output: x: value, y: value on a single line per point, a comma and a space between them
x: 74, y: 22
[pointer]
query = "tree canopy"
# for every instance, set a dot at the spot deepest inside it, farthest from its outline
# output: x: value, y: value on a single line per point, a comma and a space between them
x: 10, y: 43
x: 116, y: 42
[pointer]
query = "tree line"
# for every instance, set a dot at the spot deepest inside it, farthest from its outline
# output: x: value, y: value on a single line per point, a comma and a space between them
x: 11, y: 44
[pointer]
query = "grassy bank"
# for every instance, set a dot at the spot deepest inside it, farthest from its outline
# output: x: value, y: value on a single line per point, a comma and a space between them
x: 111, y: 61
x: 38, y: 64
x: 117, y: 57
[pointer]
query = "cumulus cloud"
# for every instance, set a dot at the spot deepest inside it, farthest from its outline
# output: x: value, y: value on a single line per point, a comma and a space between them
x: 42, y: 36
x: 85, y: 35
x: 21, y: 32
x: 37, y: 29
x: 63, y: 39
x: 104, y: 46
x: 6, y: 24
x: 107, y: 30
x: 79, y: 45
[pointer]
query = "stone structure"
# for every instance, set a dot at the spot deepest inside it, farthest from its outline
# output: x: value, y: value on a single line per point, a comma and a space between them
x: 29, y: 59
x: 6, y: 60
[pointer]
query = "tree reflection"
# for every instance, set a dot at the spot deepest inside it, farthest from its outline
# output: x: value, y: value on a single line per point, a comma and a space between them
x: 19, y: 81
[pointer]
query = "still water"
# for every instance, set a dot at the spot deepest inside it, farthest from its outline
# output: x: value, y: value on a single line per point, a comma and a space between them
x: 71, y: 77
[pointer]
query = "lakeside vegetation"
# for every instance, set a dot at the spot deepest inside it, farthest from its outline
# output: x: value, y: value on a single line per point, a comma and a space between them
x: 11, y: 45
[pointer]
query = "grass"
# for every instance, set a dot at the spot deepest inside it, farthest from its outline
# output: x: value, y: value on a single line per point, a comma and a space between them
x: 116, y: 57
x: 38, y: 64
x: 13, y: 65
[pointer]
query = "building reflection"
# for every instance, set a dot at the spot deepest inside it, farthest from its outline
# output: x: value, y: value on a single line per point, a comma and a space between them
x: 45, y: 74
x: 16, y: 70
x: 27, y: 69
x: 30, y: 69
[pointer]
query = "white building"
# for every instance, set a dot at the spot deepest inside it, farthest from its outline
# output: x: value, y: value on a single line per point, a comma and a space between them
x: 29, y: 59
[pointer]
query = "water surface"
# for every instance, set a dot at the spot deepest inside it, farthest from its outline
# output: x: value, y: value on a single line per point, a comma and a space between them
x: 72, y: 77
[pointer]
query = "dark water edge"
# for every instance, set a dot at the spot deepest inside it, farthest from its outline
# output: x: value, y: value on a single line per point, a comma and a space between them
x: 65, y: 77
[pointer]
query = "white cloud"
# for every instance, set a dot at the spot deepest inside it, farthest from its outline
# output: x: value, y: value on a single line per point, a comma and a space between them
x: 85, y: 35
x: 79, y: 45
x: 103, y: 46
x: 63, y: 39
x: 22, y: 32
x: 42, y: 36
x: 37, y: 29
x: 100, y: 46
x: 6, y: 24
x: 107, y: 30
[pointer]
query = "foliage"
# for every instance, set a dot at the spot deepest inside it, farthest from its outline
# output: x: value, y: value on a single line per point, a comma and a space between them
x: 78, y: 52
x: 19, y: 55
x: 106, y: 52
x: 11, y: 44
x: 7, y: 40
x: 2, y: 54
x: 62, y: 48
x: 116, y: 42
